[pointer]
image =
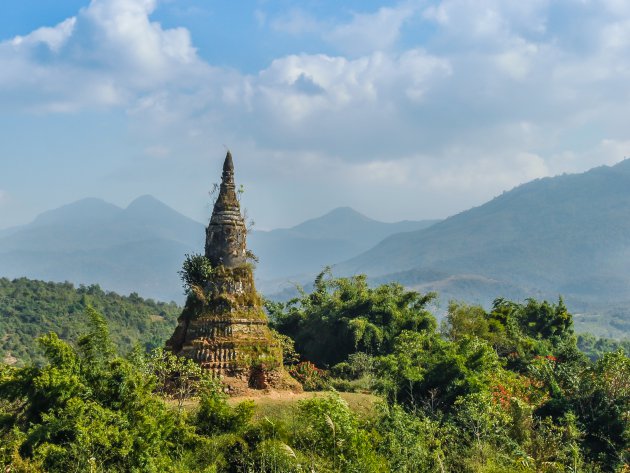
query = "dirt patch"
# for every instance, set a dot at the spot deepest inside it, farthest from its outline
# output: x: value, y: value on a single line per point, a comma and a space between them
x: 9, y: 359
x: 270, y: 396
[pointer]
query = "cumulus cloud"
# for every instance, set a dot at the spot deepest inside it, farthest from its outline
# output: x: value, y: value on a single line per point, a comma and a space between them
x: 368, y: 32
x: 456, y: 98
x: 343, y: 84
x: 106, y: 55
x: 497, y: 96
x: 52, y: 37
x: 293, y: 22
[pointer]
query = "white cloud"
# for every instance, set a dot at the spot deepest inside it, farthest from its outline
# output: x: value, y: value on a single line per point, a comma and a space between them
x: 342, y: 84
x: 369, y: 32
x: 4, y: 197
x: 492, y: 95
x: 363, y: 34
x: 294, y: 22
x: 517, y: 61
x: 53, y: 37
x: 479, y: 20
x: 107, y: 55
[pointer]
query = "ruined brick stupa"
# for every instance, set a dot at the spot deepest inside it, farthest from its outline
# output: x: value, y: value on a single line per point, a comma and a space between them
x: 223, y: 326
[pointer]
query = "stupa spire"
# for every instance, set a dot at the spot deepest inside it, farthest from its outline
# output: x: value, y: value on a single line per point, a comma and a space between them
x: 228, y: 164
x: 227, y: 199
x: 226, y: 232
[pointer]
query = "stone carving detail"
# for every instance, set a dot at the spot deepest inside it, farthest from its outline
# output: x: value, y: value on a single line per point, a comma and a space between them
x: 223, y: 326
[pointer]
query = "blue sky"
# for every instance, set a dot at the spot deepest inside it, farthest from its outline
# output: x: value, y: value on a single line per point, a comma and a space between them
x: 402, y: 110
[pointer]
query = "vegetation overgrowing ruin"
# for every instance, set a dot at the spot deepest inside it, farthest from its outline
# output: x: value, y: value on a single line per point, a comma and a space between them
x: 223, y: 326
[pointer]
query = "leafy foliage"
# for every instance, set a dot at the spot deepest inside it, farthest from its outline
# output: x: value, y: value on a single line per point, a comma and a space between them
x: 499, y: 390
x: 216, y: 416
x: 87, y: 408
x: 505, y: 390
x: 310, y: 376
x: 344, y: 315
x: 195, y: 272
x: 29, y: 309
x: 596, y: 347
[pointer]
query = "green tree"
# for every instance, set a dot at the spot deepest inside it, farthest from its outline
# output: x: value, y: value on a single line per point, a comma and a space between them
x: 425, y: 371
x: 88, y: 409
x: 195, y: 272
x: 31, y: 309
x: 330, y: 433
x: 344, y: 316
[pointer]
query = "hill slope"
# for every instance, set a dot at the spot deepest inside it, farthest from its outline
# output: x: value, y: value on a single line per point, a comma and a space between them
x: 567, y: 235
x: 30, y: 309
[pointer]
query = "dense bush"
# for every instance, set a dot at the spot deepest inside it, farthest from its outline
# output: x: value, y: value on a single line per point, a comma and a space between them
x: 344, y: 316
x: 500, y: 390
x: 196, y: 271
x: 87, y: 409
x: 310, y: 376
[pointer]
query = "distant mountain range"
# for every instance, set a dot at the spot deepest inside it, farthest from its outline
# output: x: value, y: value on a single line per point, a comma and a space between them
x: 137, y: 249
x: 141, y: 248
x: 303, y: 250
x: 566, y: 235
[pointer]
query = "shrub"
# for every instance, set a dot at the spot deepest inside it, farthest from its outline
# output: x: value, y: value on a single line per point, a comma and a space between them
x: 310, y: 376
x: 215, y: 416
x: 196, y: 270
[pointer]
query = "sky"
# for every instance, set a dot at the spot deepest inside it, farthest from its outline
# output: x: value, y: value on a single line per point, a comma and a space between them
x: 401, y: 110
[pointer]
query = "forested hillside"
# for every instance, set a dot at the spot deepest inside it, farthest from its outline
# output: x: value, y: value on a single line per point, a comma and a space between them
x: 30, y: 309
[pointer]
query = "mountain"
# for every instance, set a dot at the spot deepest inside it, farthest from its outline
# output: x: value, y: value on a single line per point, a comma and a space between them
x: 306, y: 248
x: 566, y: 235
x: 141, y: 248
x: 136, y: 249
x: 84, y: 210
x: 91, y: 224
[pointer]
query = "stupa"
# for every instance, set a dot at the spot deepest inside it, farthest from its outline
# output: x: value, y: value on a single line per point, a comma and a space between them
x: 223, y: 326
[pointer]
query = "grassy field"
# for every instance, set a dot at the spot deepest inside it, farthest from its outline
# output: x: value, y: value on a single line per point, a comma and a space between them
x: 280, y: 404
x: 276, y: 405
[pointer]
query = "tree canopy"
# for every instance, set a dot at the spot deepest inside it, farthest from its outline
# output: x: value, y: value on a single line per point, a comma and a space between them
x: 30, y: 309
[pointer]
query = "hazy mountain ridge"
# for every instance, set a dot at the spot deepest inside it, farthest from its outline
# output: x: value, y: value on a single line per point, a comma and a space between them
x: 306, y: 248
x: 141, y: 248
x: 567, y: 235
x: 95, y: 224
